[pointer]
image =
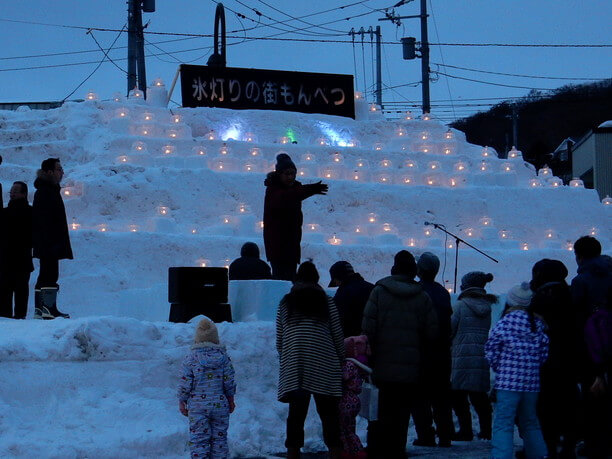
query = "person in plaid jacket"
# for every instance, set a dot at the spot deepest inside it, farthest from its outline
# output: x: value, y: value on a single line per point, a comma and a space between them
x: 516, y: 349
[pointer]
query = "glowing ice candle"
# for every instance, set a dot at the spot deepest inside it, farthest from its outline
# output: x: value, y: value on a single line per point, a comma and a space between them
x: 424, y: 135
x: 337, y: 158
x: 549, y: 234
x: 486, y: 221
x: 484, y: 166
x: 545, y: 171
x: 556, y: 182
x: 91, y: 96
x: 121, y: 113
x: 485, y: 152
x: 147, y: 116
x: 524, y: 246
x: 513, y: 153
x: 448, y: 134
x: 408, y: 115
x: 248, y: 167
x: 139, y: 147
x: 411, y: 242
x: 226, y: 219
x: 243, y: 209
x: 211, y: 135
x: 507, y: 167
x: 168, y: 149
x: 248, y: 137
x: 372, y: 217
x: 285, y: 140
x: 199, y: 150
x: 133, y: 228
x: 313, y: 227
x: 387, y: 227
x: 384, y: 178
x: 576, y: 183
x: 202, y: 262
x: 407, y: 179
x: 607, y: 201
x: 534, y: 183
x: 569, y: 245
x: 122, y: 159
x: 378, y: 146
x: 224, y: 150
x: 469, y: 232
x: 434, y: 166
x: 447, y: 151
x: 308, y: 158
x: 401, y: 132
x: 385, y: 163
x: 504, y: 234
x: 158, y: 82
x: 460, y: 166
x: 426, y: 117
x: 593, y: 231
x: 145, y: 130
x: 176, y: 119
x: 452, y: 182
x: 172, y: 134
x: 334, y: 240
x: 373, y: 108
x: 410, y: 164
x: 103, y: 228
x: 356, y: 176
x: 163, y: 210
x: 74, y: 225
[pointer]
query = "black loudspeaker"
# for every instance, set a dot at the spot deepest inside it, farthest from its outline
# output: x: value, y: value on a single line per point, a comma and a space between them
x: 192, y: 285
x: 181, y: 312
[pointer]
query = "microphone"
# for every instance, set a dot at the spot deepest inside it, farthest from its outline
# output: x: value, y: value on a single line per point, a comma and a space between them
x: 428, y: 223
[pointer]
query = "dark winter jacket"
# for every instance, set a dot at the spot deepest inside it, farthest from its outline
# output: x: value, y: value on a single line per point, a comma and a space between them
x: 590, y: 286
x: 351, y: 298
x: 249, y: 265
x: 49, y: 229
x: 438, y: 355
x: 16, y: 237
x: 553, y: 303
x: 283, y: 219
x: 309, y: 342
x: 589, y: 292
x: 399, y: 321
x: 470, y: 324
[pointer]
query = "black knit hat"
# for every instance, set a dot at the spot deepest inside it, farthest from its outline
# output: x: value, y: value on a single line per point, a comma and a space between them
x: 404, y: 264
x: 475, y: 279
x: 340, y: 270
x: 283, y: 161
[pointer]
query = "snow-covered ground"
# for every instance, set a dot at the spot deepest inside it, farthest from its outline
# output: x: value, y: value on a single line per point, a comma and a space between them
x: 147, y: 189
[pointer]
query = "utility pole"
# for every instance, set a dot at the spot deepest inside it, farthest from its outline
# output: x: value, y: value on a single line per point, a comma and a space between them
x: 136, y: 56
x: 514, y: 126
x: 372, y: 33
x: 409, y: 45
x: 378, y: 67
x: 424, y: 58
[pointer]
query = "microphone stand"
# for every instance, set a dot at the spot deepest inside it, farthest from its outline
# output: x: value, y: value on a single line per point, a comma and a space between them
x: 457, y: 241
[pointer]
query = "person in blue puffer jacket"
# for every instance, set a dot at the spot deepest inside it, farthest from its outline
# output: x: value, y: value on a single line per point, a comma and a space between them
x: 206, y: 393
x: 516, y: 349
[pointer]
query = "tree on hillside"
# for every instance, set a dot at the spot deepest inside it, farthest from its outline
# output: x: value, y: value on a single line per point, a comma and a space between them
x: 544, y: 121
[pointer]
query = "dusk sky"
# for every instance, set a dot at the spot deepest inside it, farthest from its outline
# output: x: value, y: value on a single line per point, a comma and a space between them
x: 563, y: 22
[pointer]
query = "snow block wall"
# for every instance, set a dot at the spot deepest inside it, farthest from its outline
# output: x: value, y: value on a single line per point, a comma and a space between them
x: 147, y: 188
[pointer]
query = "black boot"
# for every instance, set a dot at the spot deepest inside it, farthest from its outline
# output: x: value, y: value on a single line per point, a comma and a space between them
x: 40, y: 310
x: 49, y: 300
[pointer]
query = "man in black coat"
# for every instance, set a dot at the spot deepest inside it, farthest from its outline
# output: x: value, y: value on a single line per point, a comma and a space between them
x: 50, y: 237
x: 435, y: 375
x: 249, y: 265
x: 283, y: 217
x: 16, y: 258
x: 351, y: 297
x: 589, y: 292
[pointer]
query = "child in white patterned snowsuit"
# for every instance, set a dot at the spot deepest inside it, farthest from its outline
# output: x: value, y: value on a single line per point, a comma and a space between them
x: 206, y: 393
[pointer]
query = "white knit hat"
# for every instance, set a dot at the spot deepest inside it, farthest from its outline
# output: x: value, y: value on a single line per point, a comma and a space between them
x: 206, y: 332
x: 520, y: 295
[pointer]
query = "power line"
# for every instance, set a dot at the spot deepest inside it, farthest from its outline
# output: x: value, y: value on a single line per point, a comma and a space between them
x: 516, y: 74
x: 99, y: 64
x: 491, y: 83
x: 275, y: 37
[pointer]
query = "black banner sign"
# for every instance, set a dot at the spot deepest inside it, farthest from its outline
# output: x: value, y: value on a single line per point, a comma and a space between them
x: 242, y: 89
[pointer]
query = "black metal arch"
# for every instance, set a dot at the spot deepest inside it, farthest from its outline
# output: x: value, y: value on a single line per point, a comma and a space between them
x: 218, y: 57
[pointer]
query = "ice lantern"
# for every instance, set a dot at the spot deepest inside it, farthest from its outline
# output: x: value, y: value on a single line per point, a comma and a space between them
x: 514, y: 153
x: 607, y: 201
x: 545, y: 172
x: 576, y: 183
x: 91, y: 96
x: 334, y: 240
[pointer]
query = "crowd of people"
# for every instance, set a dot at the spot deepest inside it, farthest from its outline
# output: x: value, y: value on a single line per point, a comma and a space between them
x: 39, y: 230
x: 551, y: 351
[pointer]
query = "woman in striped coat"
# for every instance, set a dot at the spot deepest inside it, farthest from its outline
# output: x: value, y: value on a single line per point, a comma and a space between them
x: 310, y: 344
